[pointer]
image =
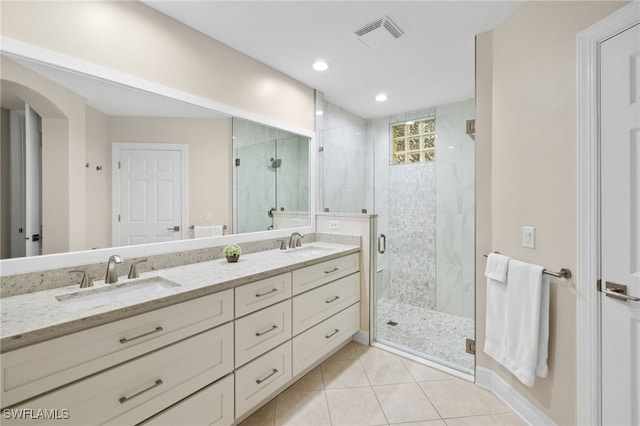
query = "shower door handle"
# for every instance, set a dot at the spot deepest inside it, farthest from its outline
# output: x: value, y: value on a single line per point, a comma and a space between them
x: 382, y: 244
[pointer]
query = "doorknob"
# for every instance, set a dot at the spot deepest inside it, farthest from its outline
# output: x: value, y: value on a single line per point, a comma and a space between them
x: 618, y: 291
x: 174, y: 229
x: 382, y: 244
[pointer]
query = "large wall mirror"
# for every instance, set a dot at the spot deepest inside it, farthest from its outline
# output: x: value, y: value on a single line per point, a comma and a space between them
x: 88, y: 163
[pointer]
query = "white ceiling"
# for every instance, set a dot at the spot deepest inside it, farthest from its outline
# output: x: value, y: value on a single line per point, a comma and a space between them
x: 432, y: 64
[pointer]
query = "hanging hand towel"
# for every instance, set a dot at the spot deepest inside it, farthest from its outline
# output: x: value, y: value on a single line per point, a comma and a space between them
x: 216, y: 230
x: 497, y: 266
x: 496, y: 273
x: 201, y: 231
x: 526, y: 332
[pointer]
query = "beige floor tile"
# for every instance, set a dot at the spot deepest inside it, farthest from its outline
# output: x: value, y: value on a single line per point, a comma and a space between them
x: 509, y: 419
x: 310, y: 381
x: 504, y: 419
x: 263, y: 417
x: 371, y: 352
x: 459, y: 398
x: 422, y: 373
x: 386, y: 371
x: 347, y: 352
x: 354, y: 407
x: 307, y: 408
x: 405, y: 403
x: 425, y: 423
x: 343, y: 374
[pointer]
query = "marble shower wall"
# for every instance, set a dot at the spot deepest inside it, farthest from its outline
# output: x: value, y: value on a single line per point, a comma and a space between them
x: 455, y: 201
x: 344, y: 165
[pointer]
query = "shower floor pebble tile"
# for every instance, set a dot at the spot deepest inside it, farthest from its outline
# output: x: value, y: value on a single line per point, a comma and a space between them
x: 438, y: 335
x: 430, y: 398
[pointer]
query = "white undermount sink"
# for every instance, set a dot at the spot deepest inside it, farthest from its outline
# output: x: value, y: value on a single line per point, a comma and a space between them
x: 309, y: 250
x: 92, y: 298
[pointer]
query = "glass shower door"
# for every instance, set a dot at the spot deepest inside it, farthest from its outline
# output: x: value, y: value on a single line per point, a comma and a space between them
x: 424, y: 195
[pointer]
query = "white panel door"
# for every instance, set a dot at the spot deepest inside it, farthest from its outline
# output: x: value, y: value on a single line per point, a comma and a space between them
x: 620, y: 206
x: 151, y: 196
x: 33, y: 183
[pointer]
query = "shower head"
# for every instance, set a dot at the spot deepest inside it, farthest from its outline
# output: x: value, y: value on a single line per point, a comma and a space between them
x: 275, y: 163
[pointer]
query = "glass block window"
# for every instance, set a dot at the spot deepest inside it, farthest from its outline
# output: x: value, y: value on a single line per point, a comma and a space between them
x: 414, y: 142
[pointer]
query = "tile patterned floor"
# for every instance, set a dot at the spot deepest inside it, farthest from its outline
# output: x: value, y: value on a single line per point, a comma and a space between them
x: 437, y: 335
x: 366, y: 386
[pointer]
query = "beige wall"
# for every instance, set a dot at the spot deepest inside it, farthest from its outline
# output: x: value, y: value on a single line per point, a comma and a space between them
x: 130, y: 37
x: 530, y: 88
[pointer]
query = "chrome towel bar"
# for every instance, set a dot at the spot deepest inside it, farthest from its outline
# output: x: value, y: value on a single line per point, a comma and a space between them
x: 564, y: 272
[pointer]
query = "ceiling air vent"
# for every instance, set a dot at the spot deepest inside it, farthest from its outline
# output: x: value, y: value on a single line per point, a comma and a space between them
x: 378, y: 33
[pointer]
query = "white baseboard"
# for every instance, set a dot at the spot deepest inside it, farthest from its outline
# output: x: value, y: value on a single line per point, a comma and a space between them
x: 361, y: 337
x: 518, y: 403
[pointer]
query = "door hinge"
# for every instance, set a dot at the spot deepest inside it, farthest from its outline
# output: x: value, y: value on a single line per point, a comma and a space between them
x: 237, y: 162
x: 470, y: 346
x: 119, y: 165
x: 118, y: 218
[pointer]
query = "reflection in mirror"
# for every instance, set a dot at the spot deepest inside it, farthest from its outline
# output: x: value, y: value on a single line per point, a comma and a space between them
x: 86, y: 201
x: 271, y: 177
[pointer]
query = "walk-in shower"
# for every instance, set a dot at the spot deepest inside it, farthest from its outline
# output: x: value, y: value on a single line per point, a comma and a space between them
x: 415, y: 171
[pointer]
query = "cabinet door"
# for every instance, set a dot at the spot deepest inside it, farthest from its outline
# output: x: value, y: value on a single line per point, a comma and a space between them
x: 261, y: 377
x: 35, y: 369
x: 212, y: 406
x: 320, y: 303
x: 315, y: 275
x: 138, y: 389
x: 260, y: 294
x: 321, y: 339
x: 261, y: 331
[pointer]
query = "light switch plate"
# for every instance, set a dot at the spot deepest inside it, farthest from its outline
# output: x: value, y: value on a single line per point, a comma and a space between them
x: 528, y: 237
x: 334, y: 224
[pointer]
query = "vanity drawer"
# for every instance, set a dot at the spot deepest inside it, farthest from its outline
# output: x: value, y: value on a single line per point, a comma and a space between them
x: 212, y: 406
x: 30, y: 371
x: 314, y: 306
x: 321, y: 339
x: 260, y: 294
x: 136, y: 390
x: 261, y: 377
x: 261, y: 331
x: 313, y: 276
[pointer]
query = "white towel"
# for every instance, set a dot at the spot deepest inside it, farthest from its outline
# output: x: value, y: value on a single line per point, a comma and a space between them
x: 496, y: 303
x: 201, y: 231
x: 216, y: 230
x: 497, y: 266
x: 525, y: 338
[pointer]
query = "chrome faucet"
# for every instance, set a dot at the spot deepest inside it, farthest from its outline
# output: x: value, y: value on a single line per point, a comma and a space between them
x: 294, y: 240
x: 112, y: 273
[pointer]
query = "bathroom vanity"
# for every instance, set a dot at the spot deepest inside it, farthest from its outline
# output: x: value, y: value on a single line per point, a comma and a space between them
x: 205, y: 343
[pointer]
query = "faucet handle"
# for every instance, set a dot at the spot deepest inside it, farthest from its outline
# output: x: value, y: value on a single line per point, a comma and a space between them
x: 86, y: 278
x: 298, y: 243
x: 133, y: 272
x: 283, y: 245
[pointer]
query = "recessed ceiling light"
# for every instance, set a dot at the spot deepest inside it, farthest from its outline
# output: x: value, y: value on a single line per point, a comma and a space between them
x: 320, y: 65
x: 381, y: 97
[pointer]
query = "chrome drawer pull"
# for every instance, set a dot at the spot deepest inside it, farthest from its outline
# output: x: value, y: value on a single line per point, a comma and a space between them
x: 332, y: 333
x: 129, y: 398
x: 260, y: 333
x: 333, y: 270
x: 274, y: 371
x: 129, y: 339
x: 268, y: 292
x: 332, y: 300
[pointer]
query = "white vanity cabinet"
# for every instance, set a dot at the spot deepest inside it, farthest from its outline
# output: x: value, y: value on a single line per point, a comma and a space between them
x: 206, y: 361
x: 136, y: 390
x: 35, y: 369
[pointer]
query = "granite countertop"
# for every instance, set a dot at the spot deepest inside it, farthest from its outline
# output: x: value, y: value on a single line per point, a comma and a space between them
x: 34, y: 317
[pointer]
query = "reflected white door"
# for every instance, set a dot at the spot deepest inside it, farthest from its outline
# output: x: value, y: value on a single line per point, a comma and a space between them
x: 150, y: 192
x: 620, y: 206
